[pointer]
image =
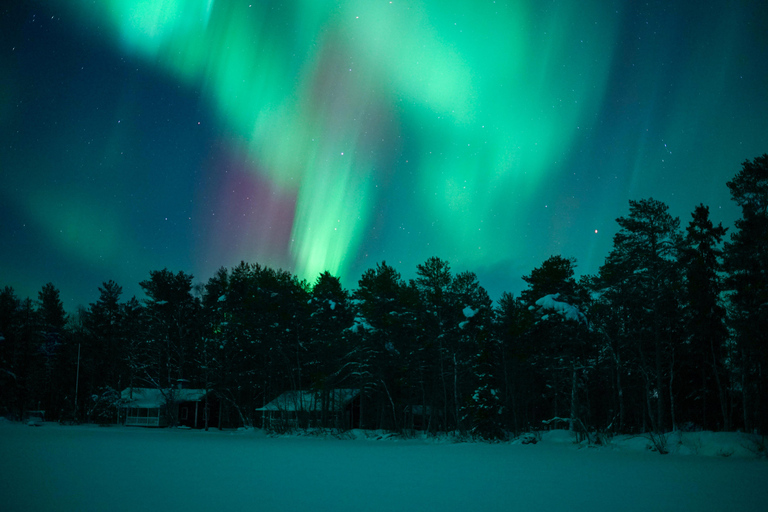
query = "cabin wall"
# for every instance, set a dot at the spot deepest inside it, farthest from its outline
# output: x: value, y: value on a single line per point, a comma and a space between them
x: 192, y: 414
x: 144, y: 417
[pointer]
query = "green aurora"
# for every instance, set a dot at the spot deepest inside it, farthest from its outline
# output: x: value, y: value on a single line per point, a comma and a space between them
x: 314, y: 135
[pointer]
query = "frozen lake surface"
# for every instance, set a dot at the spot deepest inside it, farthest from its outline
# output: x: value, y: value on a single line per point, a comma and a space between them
x: 88, y: 468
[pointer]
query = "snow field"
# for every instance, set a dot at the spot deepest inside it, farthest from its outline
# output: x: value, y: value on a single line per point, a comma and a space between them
x: 116, y: 469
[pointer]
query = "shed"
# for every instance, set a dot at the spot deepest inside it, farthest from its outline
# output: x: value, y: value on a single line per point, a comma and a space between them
x: 302, y: 408
x: 147, y: 407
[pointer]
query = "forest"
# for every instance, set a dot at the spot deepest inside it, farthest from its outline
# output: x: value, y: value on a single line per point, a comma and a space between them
x: 671, y: 333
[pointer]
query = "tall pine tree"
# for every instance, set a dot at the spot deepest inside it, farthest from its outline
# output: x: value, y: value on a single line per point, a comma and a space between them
x: 746, y: 261
x: 642, y: 273
x: 705, y: 315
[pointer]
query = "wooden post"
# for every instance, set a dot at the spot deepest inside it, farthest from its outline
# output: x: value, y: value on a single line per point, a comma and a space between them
x: 77, y: 380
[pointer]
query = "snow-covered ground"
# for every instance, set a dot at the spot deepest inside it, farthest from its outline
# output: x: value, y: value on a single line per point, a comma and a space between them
x: 88, y: 468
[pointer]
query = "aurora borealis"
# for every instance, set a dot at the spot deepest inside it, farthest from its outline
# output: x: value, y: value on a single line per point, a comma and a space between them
x: 313, y: 135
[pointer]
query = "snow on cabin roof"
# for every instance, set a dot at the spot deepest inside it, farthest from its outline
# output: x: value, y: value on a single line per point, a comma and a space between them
x: 152, y: 398
x: 310, y: 400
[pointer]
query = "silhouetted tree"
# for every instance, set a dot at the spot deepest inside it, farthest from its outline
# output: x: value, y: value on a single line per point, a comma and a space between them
x: 433, y: 281
x: 10, y: 352
x: 746, y: 261
x: 519, y: 384
x: 642, y: 270
x: 173, y: 315
x: 103, y: 353
x: 330, y: 314
x: 705, y: 314
x: 383, y: 346
x: 560, y: 334
x: 53, y: 348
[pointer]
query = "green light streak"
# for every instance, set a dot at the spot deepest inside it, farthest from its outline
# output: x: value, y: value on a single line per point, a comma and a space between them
x: 529, y: 108
x: 80, y: 229
x: 495, y: 93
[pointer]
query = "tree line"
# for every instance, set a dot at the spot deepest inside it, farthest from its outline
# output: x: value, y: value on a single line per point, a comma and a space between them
x: 669, y: 334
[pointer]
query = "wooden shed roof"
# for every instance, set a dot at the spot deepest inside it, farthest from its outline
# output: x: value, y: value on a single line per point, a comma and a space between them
x: 153, y: 398
x: 302, y: 400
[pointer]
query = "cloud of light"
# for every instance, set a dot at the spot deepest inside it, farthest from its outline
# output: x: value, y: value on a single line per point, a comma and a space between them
x: 320, y: 91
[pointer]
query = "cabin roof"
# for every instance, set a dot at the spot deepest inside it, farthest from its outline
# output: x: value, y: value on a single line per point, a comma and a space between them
x: 153, y: 398
x: 303, y: 400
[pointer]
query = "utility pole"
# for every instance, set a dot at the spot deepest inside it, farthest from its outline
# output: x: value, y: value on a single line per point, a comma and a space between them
x: 77, y: 380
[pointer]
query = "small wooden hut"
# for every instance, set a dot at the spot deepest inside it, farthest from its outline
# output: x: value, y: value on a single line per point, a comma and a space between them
x: 149, y: 407
x: 338, y: 408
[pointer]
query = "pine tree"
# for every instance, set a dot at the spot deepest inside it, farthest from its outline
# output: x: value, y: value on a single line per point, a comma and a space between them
x: 382, y: 345
x: 53, y: 319
x: 485, y: 407
x: 512, y: 321
x: 103, y: 357
x: 173, y: 315
x: 137, y: 360
x: 555, y: 275
x: 437, y: 319
x: 10, y: 351
x: 559, y: 333
x: 746, y: 261
x: 235, y: 360
x: 614, y: 327
x: 330, y: 314
x: 261, y: 335
x: 475, y: 390
x: 54, y: 349
x: 705, y: 315
x: 30, y: 359
x: 642, y: 273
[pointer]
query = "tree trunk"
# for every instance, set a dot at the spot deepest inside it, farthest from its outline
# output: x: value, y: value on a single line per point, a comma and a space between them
x: 392, y: 403
x: 574, y: 381
x: 659, y: 388
x: 720, y: 390
x: 620, y: 390
x: 671, y: 394
x: 703, y: 392
x: 654, y: 423
x: 509, y: 400
x: 445, y: 385
x: 761, y: 418
x: 360, y: 412
x: 456, y: 392
x: 744, y: 397
x: 556, y: 390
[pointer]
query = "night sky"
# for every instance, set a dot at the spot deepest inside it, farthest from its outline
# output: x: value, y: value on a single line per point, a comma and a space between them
x: 315, y: 135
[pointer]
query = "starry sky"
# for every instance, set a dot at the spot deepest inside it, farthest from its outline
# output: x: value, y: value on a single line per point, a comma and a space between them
x: 314, y: 135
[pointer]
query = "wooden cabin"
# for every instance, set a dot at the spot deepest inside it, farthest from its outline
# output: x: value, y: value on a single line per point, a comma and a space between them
x: 148, y: 407
x: 337, y: 408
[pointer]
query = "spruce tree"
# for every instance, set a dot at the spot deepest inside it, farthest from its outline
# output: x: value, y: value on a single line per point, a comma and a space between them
x: 103, y: 356
x: 10, y: 351
x: 437, y: 319
x: 642, y: 273
x: 701, y: 260
x: 746, y: 261
x: 559, y: 335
